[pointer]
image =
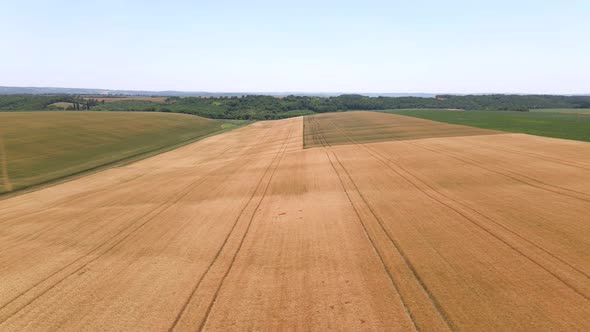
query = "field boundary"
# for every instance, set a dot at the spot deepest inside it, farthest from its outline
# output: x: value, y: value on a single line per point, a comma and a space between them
x: 389, y: 129
x: 150, y: 215
x: 115, y: 163
x: 4, y: 166
x: 565, y: 126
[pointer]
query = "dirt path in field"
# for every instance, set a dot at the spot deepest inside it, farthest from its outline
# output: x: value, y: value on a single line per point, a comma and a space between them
x: 249, y: 231
x: 4, y: 165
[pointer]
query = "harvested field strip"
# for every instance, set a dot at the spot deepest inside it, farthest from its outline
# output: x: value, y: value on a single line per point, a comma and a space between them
x: 249, y: 231
x: 360, y: 208
x: 260, y: 191
x: 263, y: 223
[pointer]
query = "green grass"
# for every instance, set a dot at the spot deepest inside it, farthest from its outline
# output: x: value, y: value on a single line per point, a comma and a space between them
x: 41, y: 147
x: 551, y: 124
x: 563, y: 110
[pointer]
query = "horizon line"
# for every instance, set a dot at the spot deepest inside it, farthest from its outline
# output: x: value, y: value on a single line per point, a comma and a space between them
x: 287, y: 92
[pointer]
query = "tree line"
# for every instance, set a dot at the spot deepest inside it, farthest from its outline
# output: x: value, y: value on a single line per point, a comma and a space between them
x: 29, y: 102
x: 268, y: 107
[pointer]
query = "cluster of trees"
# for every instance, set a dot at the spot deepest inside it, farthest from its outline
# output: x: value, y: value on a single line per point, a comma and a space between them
x: 246, y: 107
x: 29, y: 102
x: 87, y: 103
x: 268, y: 107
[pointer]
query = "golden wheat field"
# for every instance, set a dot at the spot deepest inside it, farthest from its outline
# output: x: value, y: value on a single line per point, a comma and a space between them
x: 343, y: 221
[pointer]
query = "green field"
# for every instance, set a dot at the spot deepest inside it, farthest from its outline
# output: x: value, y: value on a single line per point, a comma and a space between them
x: 563, y: 110
x: 551, y: 124
x: 40, y: 147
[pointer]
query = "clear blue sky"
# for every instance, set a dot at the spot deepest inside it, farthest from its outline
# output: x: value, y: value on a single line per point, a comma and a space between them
x: 345, y: 46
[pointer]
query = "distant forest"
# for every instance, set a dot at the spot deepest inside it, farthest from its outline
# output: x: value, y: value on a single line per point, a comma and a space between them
x: 257, y: 107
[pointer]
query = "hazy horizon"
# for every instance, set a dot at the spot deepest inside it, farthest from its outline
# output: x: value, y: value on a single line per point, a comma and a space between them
x: 459, y: 47
x: 298, y: 92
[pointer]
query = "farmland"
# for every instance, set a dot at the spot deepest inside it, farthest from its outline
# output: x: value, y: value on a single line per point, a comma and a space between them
x: 365, y: 127
x: 564, y: 110
x: 572, y: 124
x: 39, y: 147
x: 342, y: 221
x: 267, y: 107
x: 126, y: 98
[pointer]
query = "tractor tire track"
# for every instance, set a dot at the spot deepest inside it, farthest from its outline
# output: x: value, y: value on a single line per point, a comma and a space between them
x: 541, y: 185
x: 506, y: 242
x: 479, y: 213
x: 377, y: 252
x: 50, y: 227
x: 156, y: 211
x: 447, y: 323
x: 110, y: 187
x: 536, y: 156
x: 471, y: 220
x: 275, y: 161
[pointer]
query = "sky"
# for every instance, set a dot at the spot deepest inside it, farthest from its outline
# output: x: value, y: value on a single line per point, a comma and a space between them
x: 428, y: 46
